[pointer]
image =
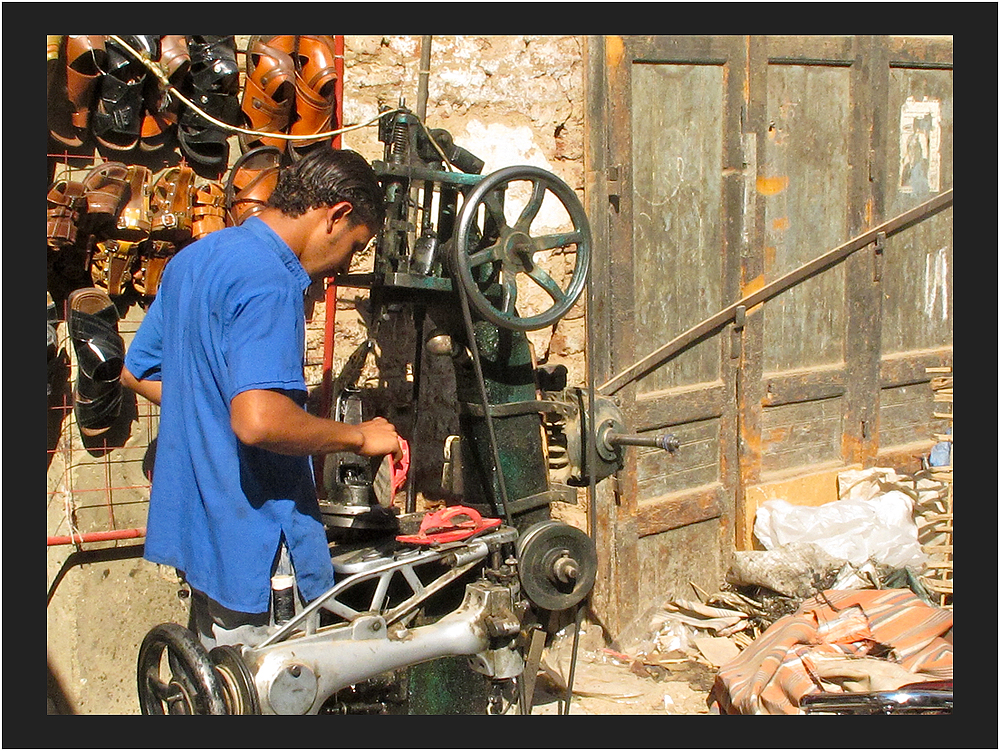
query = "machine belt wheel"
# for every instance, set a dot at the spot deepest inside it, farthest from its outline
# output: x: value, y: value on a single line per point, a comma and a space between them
x: 557, y: 564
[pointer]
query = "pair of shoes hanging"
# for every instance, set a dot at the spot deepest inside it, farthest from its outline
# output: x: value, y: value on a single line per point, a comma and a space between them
x: 290, y: 88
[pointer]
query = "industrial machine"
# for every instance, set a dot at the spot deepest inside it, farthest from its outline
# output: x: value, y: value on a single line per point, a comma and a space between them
x: 441, y: 612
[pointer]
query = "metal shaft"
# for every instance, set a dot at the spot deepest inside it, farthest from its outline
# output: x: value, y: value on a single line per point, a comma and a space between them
x: 667, y: 441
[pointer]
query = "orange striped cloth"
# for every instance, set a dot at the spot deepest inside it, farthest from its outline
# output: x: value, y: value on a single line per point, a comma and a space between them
x: 776, y: 670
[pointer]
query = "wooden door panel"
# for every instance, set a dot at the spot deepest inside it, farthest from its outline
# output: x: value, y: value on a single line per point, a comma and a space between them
x: 803, y: 183
x: 677, y: 195
x: 917, y: 307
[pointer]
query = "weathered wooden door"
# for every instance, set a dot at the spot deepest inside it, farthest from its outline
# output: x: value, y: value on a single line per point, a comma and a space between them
x: 718, y: 165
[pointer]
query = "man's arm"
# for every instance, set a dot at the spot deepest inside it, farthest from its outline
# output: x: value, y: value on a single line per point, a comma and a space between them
x: 272, y: 421
x: 151, y: 390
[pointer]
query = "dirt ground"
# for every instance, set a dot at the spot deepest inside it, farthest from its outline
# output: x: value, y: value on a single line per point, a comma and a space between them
x: 606, y: 682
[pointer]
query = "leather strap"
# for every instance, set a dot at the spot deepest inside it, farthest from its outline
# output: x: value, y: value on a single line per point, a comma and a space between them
x: 66, y: 200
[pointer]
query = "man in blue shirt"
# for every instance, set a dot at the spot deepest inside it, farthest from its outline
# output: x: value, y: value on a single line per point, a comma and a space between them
x: 221, y: 350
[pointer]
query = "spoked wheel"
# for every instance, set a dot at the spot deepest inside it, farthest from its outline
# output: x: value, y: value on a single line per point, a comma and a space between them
x: 490, y: 260
x: 176, y: 675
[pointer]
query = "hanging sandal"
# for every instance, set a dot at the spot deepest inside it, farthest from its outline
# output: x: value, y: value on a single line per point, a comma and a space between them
x: 315, y: 87
x: 175, y: 57
x: 113, y: 263
x: 209, y: 212
x: 214, y: 84
x: 66, y: 202
x: 162, y: 109
x: 153, y: 258
x: 85, y: 63
x: 171, y: 202
x: 117, y: 119
x: 100, y: 354
x: 251, y: 182
x: 135, y: 219
x: 268, y: 94
x: 159, y: 120
x: 106, y: 187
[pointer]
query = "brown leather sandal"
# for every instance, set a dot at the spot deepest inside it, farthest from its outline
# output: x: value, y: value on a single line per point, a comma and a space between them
x: 175, y: 57
x: 135, y: 219
x: 251, y: 182
x: 268, y: 94
x: 66, y: 202
x: 113, y: 264
x: 86, y: 62
x: 159, y: 120
x: 171, y: 202
x: 209, y: 211
x: 105, y: 187
x: 153, y: 258
x: 315, y: 87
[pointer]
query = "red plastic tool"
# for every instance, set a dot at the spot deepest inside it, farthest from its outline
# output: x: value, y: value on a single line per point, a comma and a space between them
x: 450, y: 524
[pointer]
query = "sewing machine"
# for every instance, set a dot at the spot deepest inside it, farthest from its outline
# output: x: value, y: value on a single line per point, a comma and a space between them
x: 439, y: 618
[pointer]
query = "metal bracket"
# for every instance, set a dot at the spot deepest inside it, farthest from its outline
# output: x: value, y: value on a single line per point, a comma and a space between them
x: 879, y: 248
x: 736, y: 343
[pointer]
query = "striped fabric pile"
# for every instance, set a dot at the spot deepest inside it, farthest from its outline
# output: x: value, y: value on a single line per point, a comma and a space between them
x: 875, y: 635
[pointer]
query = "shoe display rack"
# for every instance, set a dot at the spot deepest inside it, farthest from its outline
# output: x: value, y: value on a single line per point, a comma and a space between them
x: 154, y: 142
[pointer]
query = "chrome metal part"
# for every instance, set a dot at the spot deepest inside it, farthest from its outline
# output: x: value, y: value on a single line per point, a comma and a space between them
x: 297, y: 675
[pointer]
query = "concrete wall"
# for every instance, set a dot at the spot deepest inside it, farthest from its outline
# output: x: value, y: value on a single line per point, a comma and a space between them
x: 507, y: 99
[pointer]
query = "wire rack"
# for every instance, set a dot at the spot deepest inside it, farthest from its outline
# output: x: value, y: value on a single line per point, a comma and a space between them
x: 98, y: 488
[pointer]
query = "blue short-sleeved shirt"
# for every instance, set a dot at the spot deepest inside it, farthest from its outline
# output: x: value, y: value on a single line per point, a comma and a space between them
x: 229, y: 317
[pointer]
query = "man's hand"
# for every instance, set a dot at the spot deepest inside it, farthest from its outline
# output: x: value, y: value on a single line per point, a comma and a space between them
x: 380, y: 438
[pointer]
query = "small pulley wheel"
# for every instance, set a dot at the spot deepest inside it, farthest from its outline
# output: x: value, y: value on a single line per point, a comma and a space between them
x: 176, y: 675
x: 236, y: 679
x: 557, y: 564
x: 489, y: 258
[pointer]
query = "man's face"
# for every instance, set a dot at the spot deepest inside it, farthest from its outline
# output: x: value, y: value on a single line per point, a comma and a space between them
x: 345, y: 244
x: 335, y: 238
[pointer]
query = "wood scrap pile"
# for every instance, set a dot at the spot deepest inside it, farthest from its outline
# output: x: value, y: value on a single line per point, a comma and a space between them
x: 939, y: 521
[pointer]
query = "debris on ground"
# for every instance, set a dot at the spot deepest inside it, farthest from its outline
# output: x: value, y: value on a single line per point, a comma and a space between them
x: 825, y: 607
x: 608, y: 681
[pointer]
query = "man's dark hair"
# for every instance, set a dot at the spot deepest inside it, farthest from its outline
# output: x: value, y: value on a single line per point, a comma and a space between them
x: 325, y: 176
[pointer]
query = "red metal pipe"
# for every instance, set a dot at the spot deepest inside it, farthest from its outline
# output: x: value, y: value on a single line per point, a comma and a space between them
x: 115, y: 534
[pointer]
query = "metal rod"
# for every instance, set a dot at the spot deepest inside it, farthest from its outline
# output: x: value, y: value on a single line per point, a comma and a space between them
x: 423, y: 75
x: 667, y: 442
x: 572, y: 660
x: 892, y: 226
x: 115, y: 534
